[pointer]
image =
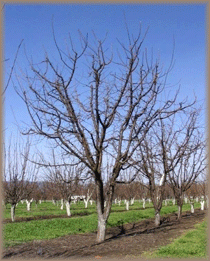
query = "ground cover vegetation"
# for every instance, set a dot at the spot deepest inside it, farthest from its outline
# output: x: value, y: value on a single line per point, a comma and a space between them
x: 193, y: 244
x: 19, y: 232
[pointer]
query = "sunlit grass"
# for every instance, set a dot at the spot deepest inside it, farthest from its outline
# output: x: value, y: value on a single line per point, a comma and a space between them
x: 19, y: 232
x: 47, y: 208
x: 193, y: 244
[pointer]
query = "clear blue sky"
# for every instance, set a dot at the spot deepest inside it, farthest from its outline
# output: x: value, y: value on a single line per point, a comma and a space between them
x: 186, y: 23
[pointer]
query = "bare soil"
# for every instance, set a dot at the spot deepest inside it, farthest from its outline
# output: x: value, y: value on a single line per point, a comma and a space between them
x: 129, y: 240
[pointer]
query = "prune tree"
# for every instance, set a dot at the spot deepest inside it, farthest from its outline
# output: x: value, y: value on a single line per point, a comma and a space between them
x: 184, y: 153
x: 19, y: 174
x: 102, y: 114
x: 150, y: 166
x: 66, y: 177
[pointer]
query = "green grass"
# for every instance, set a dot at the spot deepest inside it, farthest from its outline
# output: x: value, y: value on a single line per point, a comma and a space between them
x: 47, y: 208
x: 19, y: 232
x: 192, y: 244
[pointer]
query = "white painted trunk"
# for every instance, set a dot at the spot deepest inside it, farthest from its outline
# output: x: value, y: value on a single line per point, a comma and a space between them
x: 62, y: 204
x: 101, y: 232
x: 165, y: 203
x: 192, y: 207
x: 202, y: 205
x: 185, y: 200
x: 13, y: 212
x: 143, y: 203
x: 28, y: 204
x: 127, y: 205
x: 22, y: 201
x: 115, y: 201
x: 40, y: 202
x: 196, y: 199
x: 157, y: 218
x: 119, y: 202
x: 91, y: 202
x: 68, y: 211
x: 174, y: 201
x: 86, y: 203
x: 53, y: 201
x: 132, y: 201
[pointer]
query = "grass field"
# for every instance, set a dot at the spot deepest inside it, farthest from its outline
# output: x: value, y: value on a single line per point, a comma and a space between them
x: 192, y: 244
x: 19, y: 232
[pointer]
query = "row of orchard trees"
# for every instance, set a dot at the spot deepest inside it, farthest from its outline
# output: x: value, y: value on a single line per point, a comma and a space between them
x: 120, y: 118
x: 66, y: 191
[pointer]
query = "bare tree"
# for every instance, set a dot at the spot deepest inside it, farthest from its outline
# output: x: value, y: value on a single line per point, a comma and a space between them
x: 184, y: 152
x: 150, y: 167
x: 19, y: 174
x: 66, y: 177
x: 101, y: 115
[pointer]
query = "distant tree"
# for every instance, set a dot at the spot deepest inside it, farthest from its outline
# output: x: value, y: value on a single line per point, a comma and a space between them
x: 65, y: 178
x: 185, y: 153
x: 19, y: 174
x: 150, y: 167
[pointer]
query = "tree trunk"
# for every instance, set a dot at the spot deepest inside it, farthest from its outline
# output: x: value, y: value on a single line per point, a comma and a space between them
x: 101, y: 232
x: 192, y: 207
x: 68, y: 211
x: 179, y: 212
x: 127, y: 204
x: 28, y: 205
x: 157, y: 218
x: 143, y: 203
x: 61, y: 204
x: 13, y: 206
x: 86, y: 203
x: 202, y: 205
x: 132, y: 201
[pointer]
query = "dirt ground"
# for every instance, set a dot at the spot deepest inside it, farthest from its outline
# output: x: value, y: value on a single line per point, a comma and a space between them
x: 129, y: 240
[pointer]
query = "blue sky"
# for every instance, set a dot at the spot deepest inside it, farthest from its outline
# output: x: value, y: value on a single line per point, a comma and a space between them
x: 186, y: 23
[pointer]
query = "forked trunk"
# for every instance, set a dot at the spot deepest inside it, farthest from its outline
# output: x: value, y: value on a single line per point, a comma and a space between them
x: 86, y: 203
x: 101, y: 232
x: 13, y: 212
x: 157, y: 218
x: 28, y: 204
x: 103, y: 212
